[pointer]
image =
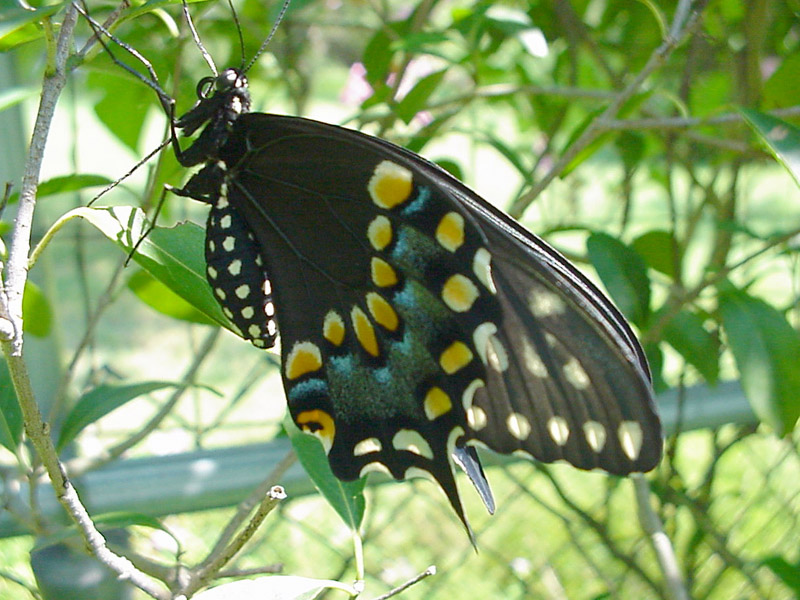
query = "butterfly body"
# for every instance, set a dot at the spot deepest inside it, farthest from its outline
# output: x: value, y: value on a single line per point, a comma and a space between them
x: 415, y: 318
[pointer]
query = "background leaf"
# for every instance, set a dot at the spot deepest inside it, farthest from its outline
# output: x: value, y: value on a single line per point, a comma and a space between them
x: 766, y: 349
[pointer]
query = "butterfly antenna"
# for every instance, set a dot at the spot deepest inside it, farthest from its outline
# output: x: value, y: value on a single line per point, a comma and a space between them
x: 166, y: 100
x: 266, y: 42
x: 196, y: 38
x: 238, y: 29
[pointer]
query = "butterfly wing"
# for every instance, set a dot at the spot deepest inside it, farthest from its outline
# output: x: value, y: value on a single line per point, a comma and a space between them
x: 416, y: 318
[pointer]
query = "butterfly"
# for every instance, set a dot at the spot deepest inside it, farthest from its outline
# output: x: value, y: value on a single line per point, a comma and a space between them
x: 417, y: 321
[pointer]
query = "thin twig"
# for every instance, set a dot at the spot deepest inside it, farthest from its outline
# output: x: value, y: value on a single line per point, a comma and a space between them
x: 401, y: 588
x: 204, y: 575
x: 11, y: 309
x: 665, y: 553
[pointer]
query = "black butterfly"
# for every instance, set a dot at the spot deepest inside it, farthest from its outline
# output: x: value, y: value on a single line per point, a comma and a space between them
x: 415, y: 317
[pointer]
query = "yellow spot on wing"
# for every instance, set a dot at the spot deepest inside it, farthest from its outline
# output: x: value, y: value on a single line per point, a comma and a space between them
x: 390, y: 184
x: 437, y: 403
x: 382, y: 311
x: 333, y: 328
x: 459, y: 293
x: 318, y: 423
x: 365, y: 333
x: 383, y: 275
x: 379, y: 232
x: 450, y: 231
x: 304, y: 357
x: 455, y: 357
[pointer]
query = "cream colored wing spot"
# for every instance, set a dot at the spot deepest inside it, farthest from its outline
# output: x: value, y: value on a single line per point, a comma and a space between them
x: 575, y: 374
x: 455, y: 357
x: 544, y: 303
x: 450, y: 231
x: 225, y: 222
x: 595, y: 435
x: 558, y: 429
x: 436, y: 403
x: 220, y: 293
x: 459, y: 293
x: 482, y: 267
x: 390, y: 184
x: 496, y: 354
x: 235, y: 268
x: 229, y: 243
x: 533, y: 362
x: 367, y: 446
x: 303, y: 358
x: 365, y: 332
x: 374, y: 467
x: 333, y: 328
x: 248, y: 312
x: 469, y: 393
x: 379, y: 232
x: 242, y: 292
x: 254, y: 331
x: 630, y: 438
x: 212, y: 272
x: 418, y: 473
x: 269, y: 309
x: 518, y: 426
x: 412, y: 441
x: 476, y: 418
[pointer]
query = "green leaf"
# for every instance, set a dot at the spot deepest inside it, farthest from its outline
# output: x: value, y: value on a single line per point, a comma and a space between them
x: 766, y: 349
x: 788, y: 573
x: 416, y: 99
x: 656, y: 248
x: 11, y: 423
x: 162, y: 299
x: 65, y: 183
x: 377, y: 57
x: 37, y: 317
x: 20, y: 26
x: 623, y: 273
x: 273, y: 587
x: 781, y: 88
x: 781, y: 138
x: 685, y: 332
x: 100, y: 401
x: 174, y: 255
x: 346, y: 497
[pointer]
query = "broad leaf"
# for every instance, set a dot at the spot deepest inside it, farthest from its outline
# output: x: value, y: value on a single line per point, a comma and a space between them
x: 346, y: 497
x: 11, y: 423
x: 685, y: 332
x: 623, y: 273
x: 100, y: 401
x: 37, y: 317
x: 159, y: 297
x: 781, y: 138
x: 766, y: 349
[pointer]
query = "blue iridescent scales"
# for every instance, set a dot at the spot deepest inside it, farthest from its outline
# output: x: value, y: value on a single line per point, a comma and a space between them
x: 416, y: 320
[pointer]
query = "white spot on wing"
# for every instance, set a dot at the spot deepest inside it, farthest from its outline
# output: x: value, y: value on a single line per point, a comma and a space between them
x: 544, y: 303
x: 558, y: 429
x: 366, y: 446
x: 595, y: 435
x: 533, y: 362
x: 575, y: 374
x: 630, y: 437
x: 518, y: 426
x: 408, y: 439
x: 476, y: 417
